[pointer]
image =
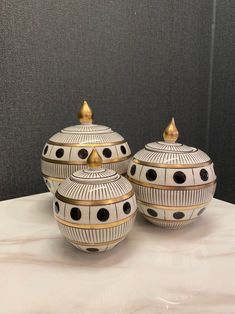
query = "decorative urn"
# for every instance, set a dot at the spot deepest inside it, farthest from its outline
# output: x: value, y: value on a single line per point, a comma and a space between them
x: 95, y: 208
x: 173, y: 182
x: 68, y: 150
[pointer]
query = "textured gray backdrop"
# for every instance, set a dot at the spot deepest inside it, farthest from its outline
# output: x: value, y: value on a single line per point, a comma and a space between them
x: 137, y: 62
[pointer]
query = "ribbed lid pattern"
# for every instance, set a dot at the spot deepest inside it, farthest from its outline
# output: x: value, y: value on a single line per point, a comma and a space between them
x: 87, y: 134
x: 111, y: 186
x: 165, y: 153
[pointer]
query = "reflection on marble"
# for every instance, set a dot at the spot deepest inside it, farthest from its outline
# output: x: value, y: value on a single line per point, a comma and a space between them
x: 153, y: 271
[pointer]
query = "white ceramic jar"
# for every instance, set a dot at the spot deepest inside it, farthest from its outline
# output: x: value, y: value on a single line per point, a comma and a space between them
x: 95, y: 208
x: 173, y: 182
x: 68, y: 150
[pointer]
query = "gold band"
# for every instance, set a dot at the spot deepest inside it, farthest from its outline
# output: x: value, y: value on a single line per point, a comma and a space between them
x: 86, y: 144
x: 96, y: 226
x: 166, y: 220
x: 53, y: 178
x: 65, y: 162
x: 171, y: 187
x: 96, y: 244
x: 173, y: 207
x: 94, y: 202
x: 173, y: 166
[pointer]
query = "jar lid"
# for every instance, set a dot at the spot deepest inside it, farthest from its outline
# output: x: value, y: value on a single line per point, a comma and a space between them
x: 169, y: 152
x: 94, y: 185
x: 86, y: 133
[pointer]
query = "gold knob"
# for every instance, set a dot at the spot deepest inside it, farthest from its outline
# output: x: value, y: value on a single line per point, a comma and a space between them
x: 94, y: 160
x: 171, y: 133
x: 85, y: 114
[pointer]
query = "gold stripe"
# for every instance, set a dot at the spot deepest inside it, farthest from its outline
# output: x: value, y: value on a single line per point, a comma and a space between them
x: 86, y: 144
x: 172, y: 187
x: 67, y: 162
x: 166, y: 220
x: 96, y: 244
x: 94, y: 202
x: 173, y: 207
x: 53, y: 178
x: 173, y: 166
x: 96, y: 226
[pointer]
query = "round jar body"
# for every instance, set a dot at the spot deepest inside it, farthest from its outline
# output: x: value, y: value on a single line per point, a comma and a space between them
x: 173, y: 183
x: 67, y: 152
x: 95, y: 209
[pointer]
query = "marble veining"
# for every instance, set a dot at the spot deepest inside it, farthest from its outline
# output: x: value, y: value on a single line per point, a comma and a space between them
x: 153, y: 271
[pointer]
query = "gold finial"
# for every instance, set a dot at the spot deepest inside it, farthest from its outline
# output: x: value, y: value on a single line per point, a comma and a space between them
x: 171, y: 133
x: 94, y: 160
x: 85, y: 114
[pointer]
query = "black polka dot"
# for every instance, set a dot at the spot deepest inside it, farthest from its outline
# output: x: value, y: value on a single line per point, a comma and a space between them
x: 201, y: 211
x: 133, y: 170
x: 59, y: 153
x: 82, y: 153
x: 123, y: 149
x: 92, y: 249
x: 178, y: 215
x: 57, y: 207
x: 75, y: 213
x: 45, y: 150
x: 107, y: 152
x: 179, y: 177
x: 152, y: 212
x: 204, y: 175
x: 151, y: 175
x: 103, y: 214
x: 127, y: 208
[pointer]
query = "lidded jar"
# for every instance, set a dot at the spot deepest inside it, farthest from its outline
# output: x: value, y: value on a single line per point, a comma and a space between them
x: 95, y: 208
x: 68, y: 150
x: 173, y: 182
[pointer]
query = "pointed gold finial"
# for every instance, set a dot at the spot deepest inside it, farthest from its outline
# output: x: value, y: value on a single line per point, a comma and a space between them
x: 94, y: 160
x: 85, y: 114
x: 171, y: 133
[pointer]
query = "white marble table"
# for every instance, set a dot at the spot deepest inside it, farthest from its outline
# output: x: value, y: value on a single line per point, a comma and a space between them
x: 152, y: 271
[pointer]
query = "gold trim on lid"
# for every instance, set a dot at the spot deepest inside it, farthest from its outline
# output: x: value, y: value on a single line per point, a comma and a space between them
x: 171, y: 133
x: 85, y: 114
x: 94, y: 160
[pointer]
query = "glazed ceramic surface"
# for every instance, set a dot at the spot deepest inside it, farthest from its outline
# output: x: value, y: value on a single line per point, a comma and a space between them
x: 173, y: 182
x: 95, y: 208
x: 68, y: 150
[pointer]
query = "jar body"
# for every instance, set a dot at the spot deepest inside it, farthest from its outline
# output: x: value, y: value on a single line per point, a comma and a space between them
x: 172, y: 195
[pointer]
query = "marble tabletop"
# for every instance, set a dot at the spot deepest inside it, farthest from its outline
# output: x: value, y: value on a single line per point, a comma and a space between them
x: 153, y: 271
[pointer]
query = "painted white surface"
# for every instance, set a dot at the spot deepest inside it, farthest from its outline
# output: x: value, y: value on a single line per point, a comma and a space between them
x: 153, y: 271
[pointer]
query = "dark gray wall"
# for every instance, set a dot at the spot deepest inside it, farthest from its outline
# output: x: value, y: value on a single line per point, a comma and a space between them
x: 137, y: 62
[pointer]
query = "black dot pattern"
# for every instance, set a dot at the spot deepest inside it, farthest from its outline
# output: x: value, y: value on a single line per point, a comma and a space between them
x: 201, y: 211
x: 103, y: 214
x: 152, y: 212
x: 133, y: 170
x: 83, y: 153
x: 75, y: 213
x: 151, y: 175
x: 107, y: 152
x: 127, y: 208
x: 178, y: 215
x: 123, y: 150
x: 92, y: 249
x: 57, y: 207
x: 179, y: 177
x: 45, y: 150
x: 59, y: 153
x: 204, y: 174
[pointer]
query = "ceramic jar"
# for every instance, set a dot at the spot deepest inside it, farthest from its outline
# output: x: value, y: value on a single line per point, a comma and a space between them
x: 95, y: 208
x: 173, y: 182
x: 68, y: 150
